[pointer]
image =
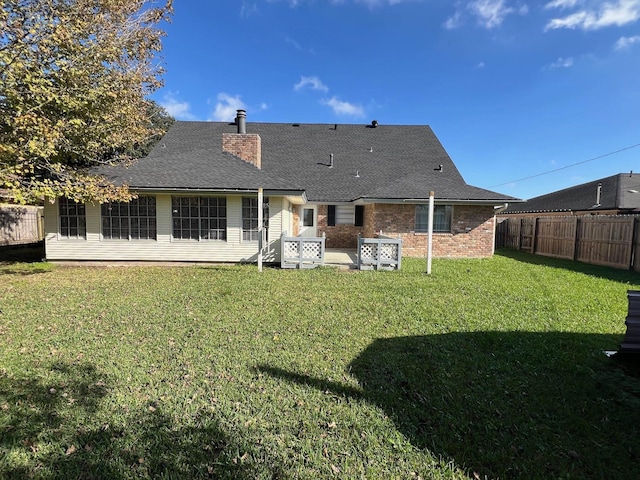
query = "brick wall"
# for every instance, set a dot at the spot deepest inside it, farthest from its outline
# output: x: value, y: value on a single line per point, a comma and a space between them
x: 296, y: 221
x: 472, y: 231
x: 338, y: 236
x: 369, y: 221
x: 247, y: 146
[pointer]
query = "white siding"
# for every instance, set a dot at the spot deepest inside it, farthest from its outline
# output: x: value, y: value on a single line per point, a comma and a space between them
x: 279, y: 220
x: 165, y: 248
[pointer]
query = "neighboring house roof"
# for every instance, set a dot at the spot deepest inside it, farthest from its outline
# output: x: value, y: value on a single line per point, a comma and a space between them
x: 383, y: 162
x: 619, y: 192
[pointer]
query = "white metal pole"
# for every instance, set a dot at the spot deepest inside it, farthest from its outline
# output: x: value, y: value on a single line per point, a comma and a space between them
x: 430, y: 234
x: 260, y: 229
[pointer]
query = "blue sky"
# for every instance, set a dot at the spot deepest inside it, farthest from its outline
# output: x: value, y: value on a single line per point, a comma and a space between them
x: 512, y: 88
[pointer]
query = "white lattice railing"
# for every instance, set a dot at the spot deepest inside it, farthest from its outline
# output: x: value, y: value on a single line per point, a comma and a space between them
x: 302, y: 252
x: 379, y: 253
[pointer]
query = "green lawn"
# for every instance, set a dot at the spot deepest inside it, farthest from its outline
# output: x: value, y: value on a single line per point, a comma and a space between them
x: 486, y: 369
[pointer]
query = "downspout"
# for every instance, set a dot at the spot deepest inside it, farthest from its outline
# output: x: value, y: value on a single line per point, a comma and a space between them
x: 500, y: 209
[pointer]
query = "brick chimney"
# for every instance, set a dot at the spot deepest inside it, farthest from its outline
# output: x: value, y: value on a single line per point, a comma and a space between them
x: 244, y: 145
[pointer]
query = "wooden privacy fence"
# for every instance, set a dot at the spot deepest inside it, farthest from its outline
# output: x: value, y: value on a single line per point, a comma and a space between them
x: 20, y: 224
x: 613, y: 241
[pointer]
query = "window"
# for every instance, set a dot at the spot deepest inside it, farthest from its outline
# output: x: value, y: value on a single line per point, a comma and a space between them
x: 250, y: 218
x: 307, y: 217
x: 441, y: 218
x: 73, y: 220
x: 199, y: 218
x: 134, y: 220
x: 345, y: 215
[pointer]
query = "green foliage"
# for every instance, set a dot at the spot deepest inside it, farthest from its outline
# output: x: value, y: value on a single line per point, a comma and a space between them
x: 485, y: 369
x: 159, y: 121
x: 74, y: 75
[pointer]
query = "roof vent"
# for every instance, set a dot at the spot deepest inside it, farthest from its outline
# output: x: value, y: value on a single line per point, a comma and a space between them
x: 438, y: 168
x: 374, y: 123
x: 331, y: 160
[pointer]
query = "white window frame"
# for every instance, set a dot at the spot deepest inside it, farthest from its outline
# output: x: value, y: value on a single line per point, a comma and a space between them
x: 250, y: 231
x: 197, y: 219
x: 78, y: 216
x: 131, y: 221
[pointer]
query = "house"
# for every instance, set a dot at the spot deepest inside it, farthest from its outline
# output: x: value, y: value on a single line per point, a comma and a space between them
x: 198, y: 195
x: 615, y: 195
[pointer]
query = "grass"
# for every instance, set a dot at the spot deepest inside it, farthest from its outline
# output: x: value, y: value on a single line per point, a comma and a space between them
x: 486, y: 369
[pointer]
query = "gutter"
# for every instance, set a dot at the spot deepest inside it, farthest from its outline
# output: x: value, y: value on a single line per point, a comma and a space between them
x: 291, y: 193
x: 440, y: 201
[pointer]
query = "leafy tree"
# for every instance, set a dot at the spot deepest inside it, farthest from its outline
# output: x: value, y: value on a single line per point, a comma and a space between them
x: 74, y: 77
x: 159, y: 122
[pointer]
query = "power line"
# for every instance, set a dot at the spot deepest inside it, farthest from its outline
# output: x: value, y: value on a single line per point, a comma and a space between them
x: 566, y: 166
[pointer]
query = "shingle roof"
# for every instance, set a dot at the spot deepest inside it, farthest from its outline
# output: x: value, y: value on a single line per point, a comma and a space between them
x: 389, y: 161
x: 618, y: 192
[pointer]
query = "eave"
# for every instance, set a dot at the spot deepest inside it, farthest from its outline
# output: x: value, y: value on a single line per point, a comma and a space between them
x: 297, y: 197
x: 437, y: 201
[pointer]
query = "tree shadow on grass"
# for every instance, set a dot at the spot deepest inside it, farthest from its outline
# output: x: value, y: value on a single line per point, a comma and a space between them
x: 504, y: 404
x: 22, y: 259
x: 600, y: 271
x: 27, y: 253
x: 48, y: 430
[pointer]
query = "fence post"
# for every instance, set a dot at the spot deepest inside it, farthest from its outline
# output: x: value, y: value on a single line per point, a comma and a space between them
x: 520, y: 233
x: 635, y: 254
x: 575, y: 237
x: 576, y: 248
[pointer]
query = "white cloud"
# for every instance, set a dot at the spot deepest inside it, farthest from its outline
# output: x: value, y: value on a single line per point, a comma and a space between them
x: 225, y: 110
x: 489, y: 13
x: 562, y: 63
x: 617, y: 13
x: 248, y: 9
x: 314, y: 83
x: 343, y: 108
x: 454, y: 21
x: 480, y: 65
x: 291, y: 41
x: 177, y: 109
x: 562, y: 4
x: 626, y: 42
